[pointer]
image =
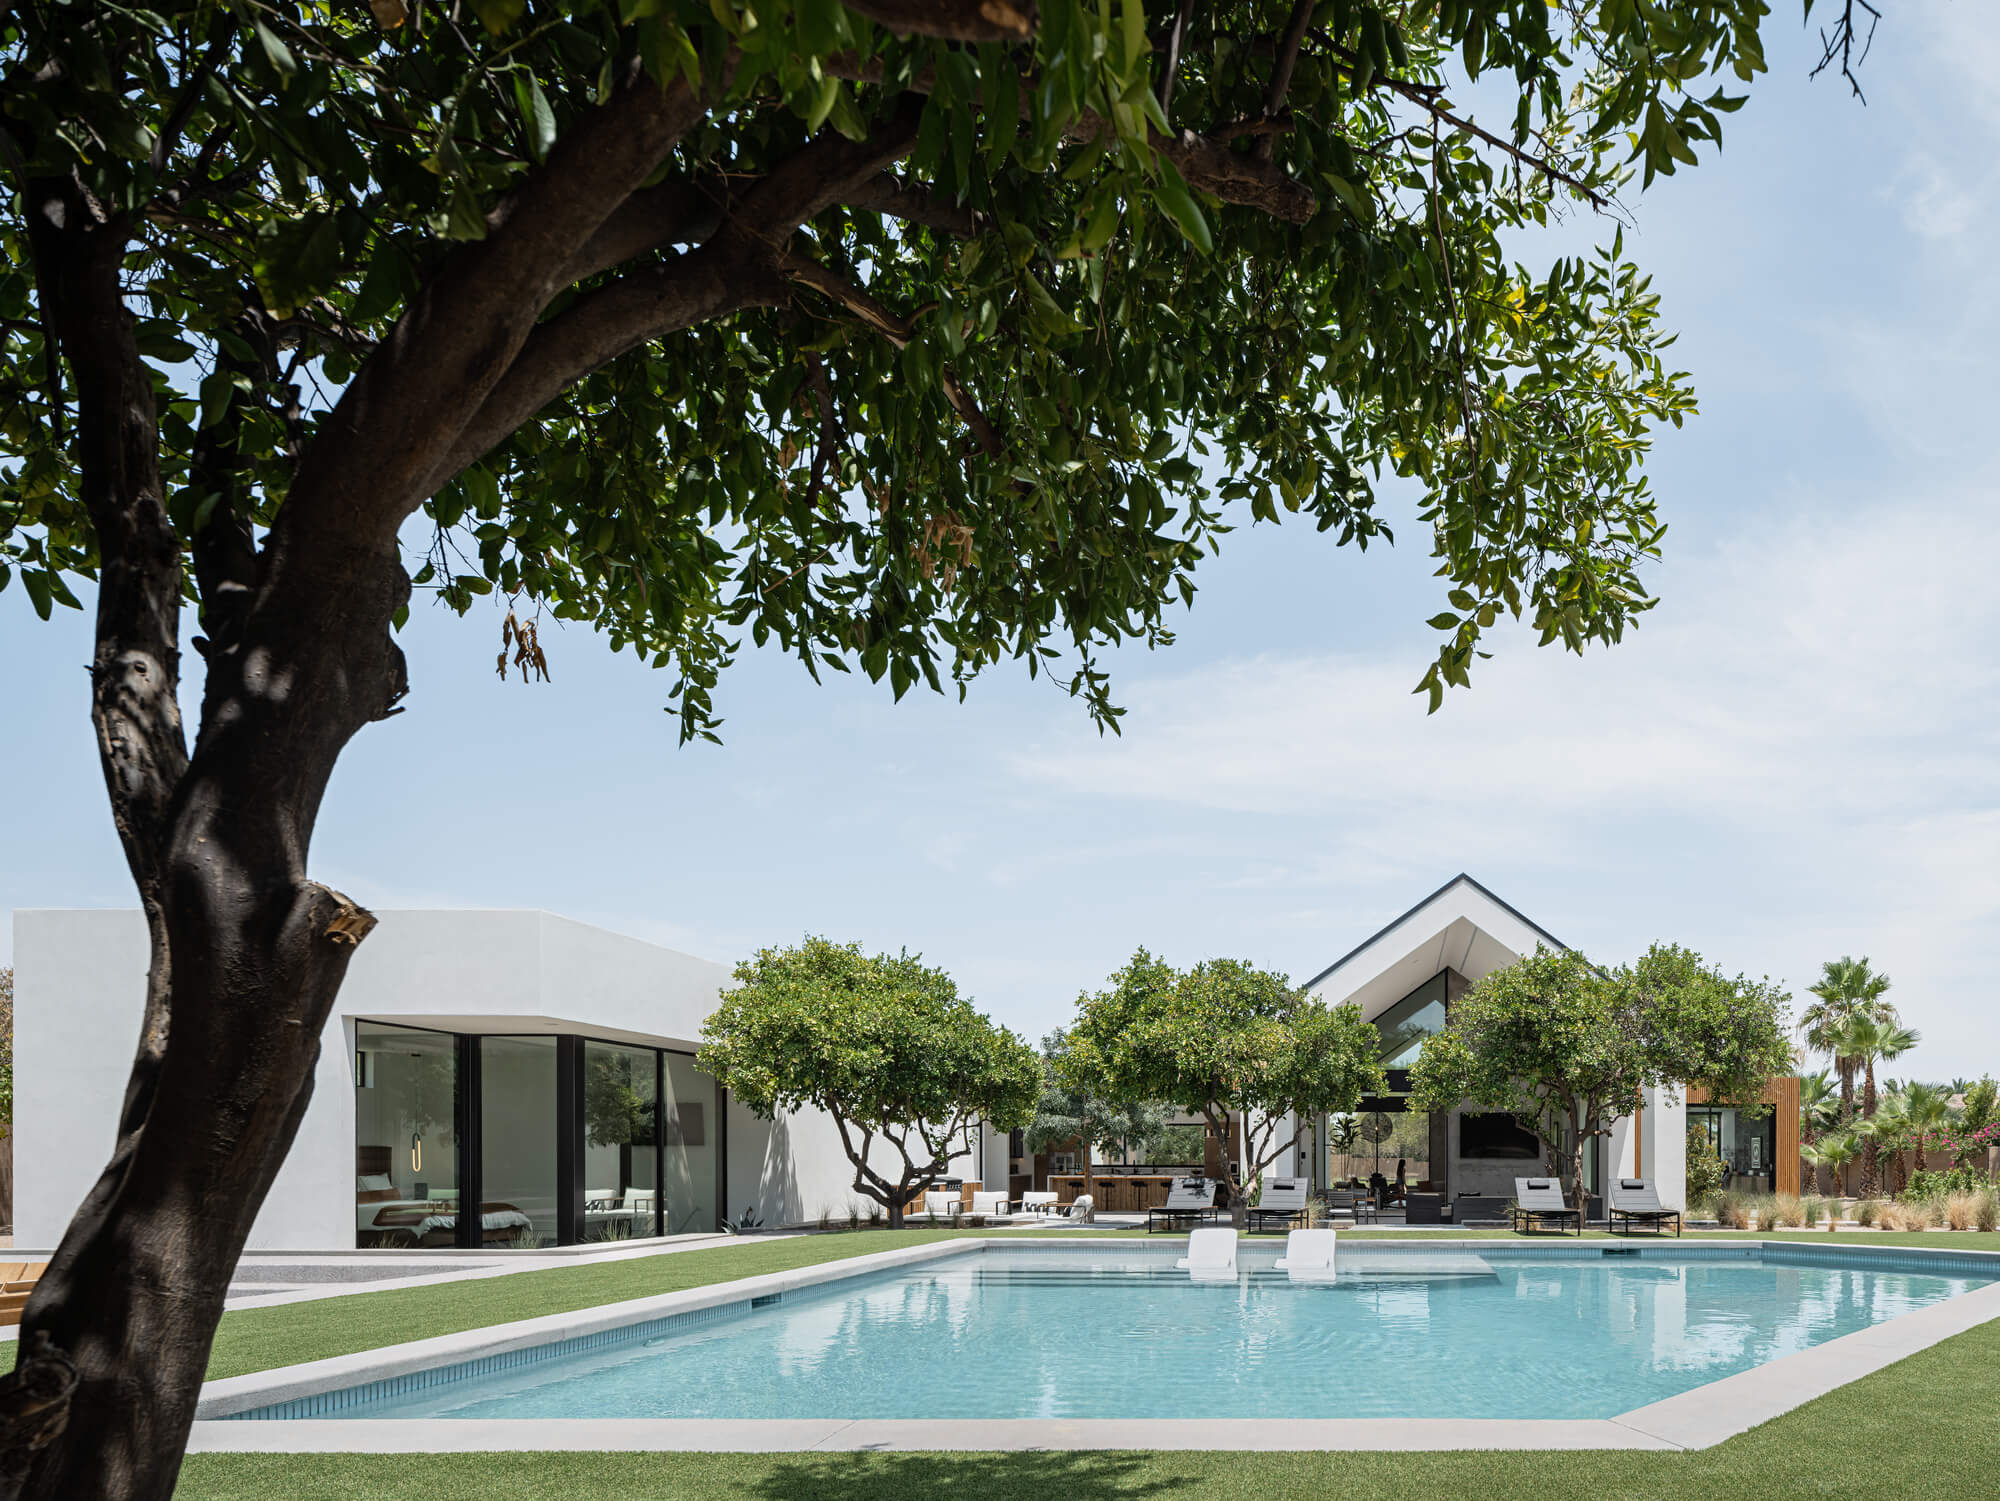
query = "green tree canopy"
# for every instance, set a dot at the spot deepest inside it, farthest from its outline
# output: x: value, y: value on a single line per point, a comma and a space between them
x: 1570, y: 1049
x: 884, y: 1044
x: 914, y: 336
x: 1226, y: 1039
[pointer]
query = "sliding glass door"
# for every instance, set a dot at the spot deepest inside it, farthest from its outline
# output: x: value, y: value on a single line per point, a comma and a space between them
x: 621, y: 1141
x: 529, y: 1141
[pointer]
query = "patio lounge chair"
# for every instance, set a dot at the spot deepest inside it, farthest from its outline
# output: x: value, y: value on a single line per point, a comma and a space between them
x: 1038, y: 1201
x: 1308, y: 1256
x: 1539, y: 1199
x: 1211, y: 1255
x: 1352, y: 1202
x: 992, y: 1205
x: 1283, y: 1199
x: 942, y: 1204
x: 1188, y: 1199
x: 1636, y: 1202
x: 1082, y: 1209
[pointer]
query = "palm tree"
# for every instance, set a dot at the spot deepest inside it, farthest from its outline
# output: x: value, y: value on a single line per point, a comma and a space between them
x: 1847, y: 988
x: 1833, y: 1152
x: 1865, y: 1041
x: 1819, y: 1110
x: 1927, y: 1109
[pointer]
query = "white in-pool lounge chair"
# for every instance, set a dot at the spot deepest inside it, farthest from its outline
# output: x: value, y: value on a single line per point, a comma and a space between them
x: 1539, y: 1199
x: 1211, y: 1255
x: 1636, y: 1202
x: 1188, y: 1199
x: 1308, y: 1256
x: 1282, y: 1199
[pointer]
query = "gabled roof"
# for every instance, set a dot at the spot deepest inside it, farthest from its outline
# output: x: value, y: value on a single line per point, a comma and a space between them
x: 1461, y: 926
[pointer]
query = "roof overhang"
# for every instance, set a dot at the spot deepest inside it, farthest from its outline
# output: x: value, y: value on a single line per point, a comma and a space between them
x: 529, y: 1026
x: 1461, y: 926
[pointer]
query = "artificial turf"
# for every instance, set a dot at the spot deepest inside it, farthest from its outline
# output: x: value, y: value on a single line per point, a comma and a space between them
x: 1920, y: 1428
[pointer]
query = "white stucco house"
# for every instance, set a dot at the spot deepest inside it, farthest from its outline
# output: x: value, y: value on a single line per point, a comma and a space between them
x: 1404, y: 978
x: 540, y: 1067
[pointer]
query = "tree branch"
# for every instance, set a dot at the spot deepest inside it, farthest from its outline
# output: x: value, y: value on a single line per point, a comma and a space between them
x: 916, y: 204
x: 378, y: 454
x: 953, y: 20
x: 1205, y: 162
x: 1281, y: 71
x: 734, y: 269
x: 1169, y: 75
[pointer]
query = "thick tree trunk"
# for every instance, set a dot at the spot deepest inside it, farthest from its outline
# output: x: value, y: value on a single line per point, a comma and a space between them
x: 246, y: 953
x: 1871, y: 1171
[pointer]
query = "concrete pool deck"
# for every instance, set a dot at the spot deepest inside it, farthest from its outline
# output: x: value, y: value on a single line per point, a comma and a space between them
x: 1696, y: 1419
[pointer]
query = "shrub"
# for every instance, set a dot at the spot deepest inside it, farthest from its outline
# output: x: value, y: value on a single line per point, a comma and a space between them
x: 1961, y: 1209
x: 1933, y: 1186
x: 1785, y: 1210
x: 1812, y: 1209
x: 1986, y: 1215
x: 1732, y: 1210
x: 1867, y: 1213
x: 1704, y: 1169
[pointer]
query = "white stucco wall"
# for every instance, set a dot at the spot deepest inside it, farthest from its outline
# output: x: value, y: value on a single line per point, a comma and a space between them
x: 80, y: 981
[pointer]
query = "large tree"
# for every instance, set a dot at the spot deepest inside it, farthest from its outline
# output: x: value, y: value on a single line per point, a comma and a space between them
x: 900, y: 331
x: 885, y: 1045
x: 1571, y: 1049
x: 1232, y: 1043
x: 1847, y: 988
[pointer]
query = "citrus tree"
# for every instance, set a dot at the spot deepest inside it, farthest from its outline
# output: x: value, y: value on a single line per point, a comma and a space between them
x: 1570, y: 1049
x: 1228, y: 1041
x: 885, y: 1045
x: 898, y: 333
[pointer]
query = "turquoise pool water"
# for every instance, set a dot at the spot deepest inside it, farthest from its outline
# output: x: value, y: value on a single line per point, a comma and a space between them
x: 1024, y: 1333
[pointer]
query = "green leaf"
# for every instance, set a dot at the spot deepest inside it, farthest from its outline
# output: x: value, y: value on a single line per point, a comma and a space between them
x: 1170, y: 191
x: 279, y: 54
x: 1136, y: 45
x: 498, y: 16
x: 296, y: 259
x: 536, y: 117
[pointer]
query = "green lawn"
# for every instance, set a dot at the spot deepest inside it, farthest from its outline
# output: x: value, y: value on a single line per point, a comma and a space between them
x: 257, y: 1339
x: 1924, y: 1427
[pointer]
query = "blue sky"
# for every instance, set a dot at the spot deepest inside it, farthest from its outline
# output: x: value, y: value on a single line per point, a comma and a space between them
x: 1793, y: 758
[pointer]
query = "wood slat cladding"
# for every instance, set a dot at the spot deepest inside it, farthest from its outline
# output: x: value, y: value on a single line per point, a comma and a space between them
x: 1782, y: 1094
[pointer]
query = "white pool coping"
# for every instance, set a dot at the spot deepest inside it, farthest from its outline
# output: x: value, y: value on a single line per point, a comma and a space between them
x: 1697, y: 1419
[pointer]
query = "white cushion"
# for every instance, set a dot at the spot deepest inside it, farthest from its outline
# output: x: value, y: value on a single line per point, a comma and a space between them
x: 372, y: 1182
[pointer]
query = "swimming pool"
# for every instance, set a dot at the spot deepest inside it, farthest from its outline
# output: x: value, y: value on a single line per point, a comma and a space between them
x: 1094, y: 1330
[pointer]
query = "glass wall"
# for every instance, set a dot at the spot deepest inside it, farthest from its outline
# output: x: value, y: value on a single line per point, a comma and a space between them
x: 405, y: 1136
x: 1405, y: 1025
x: 517, y: 1141
x: 692, y: 1139
x: 1747, y: 1144
x: 553, y: 1140
x: 621, y: 1154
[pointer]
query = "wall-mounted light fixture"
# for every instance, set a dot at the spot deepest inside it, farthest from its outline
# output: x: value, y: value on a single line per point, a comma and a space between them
x: 416, y: 1152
